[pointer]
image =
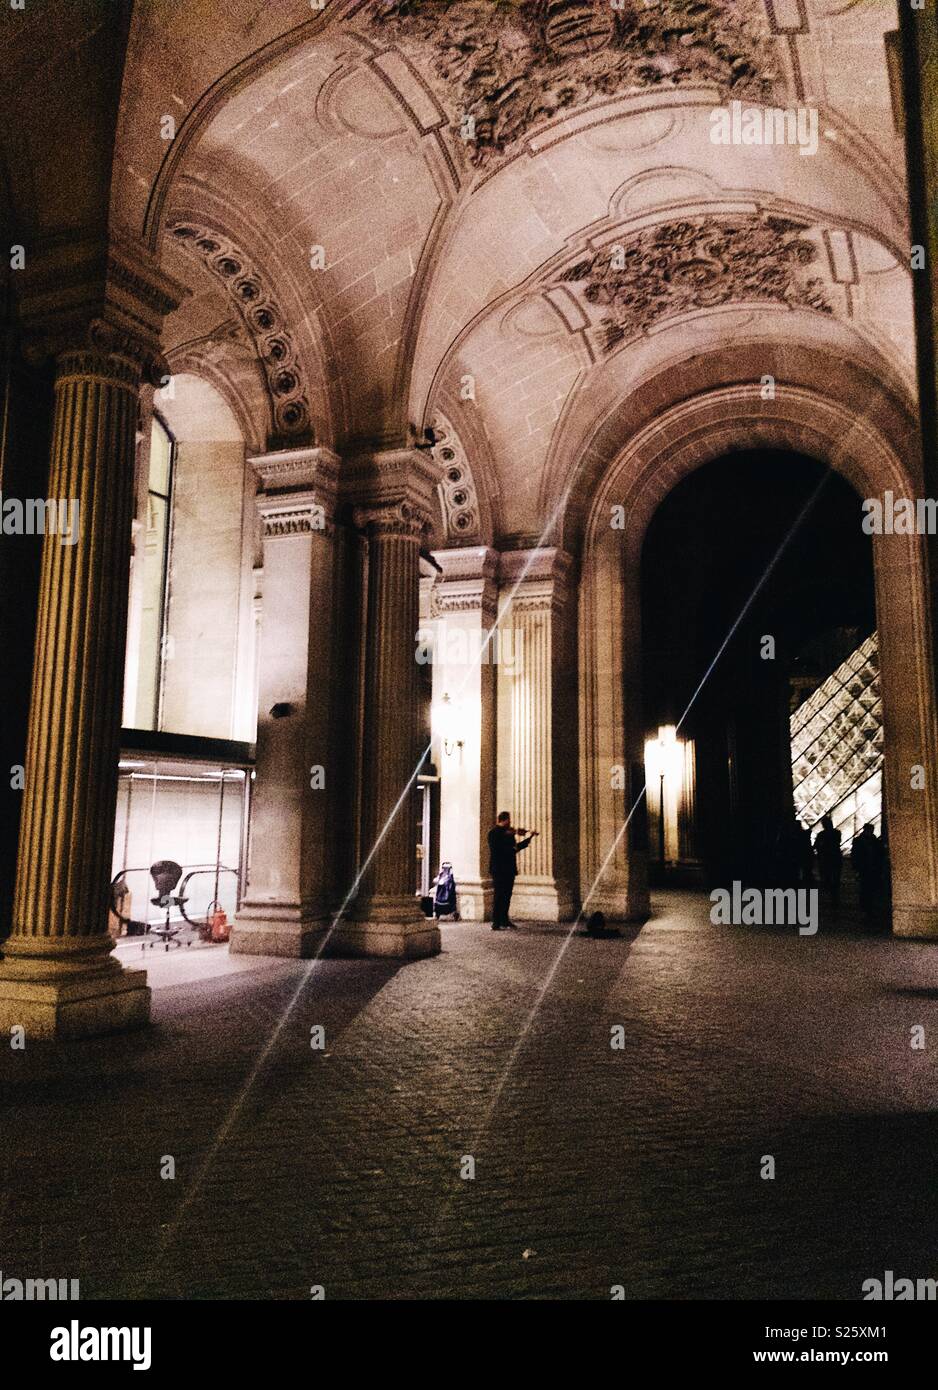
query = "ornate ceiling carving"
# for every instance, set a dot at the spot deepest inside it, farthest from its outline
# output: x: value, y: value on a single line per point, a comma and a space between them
x: 698, y: 263
x: 264, y: 322
x: 510, y: 64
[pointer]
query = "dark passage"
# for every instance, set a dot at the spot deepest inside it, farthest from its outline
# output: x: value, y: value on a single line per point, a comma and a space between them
x: 709, y: 545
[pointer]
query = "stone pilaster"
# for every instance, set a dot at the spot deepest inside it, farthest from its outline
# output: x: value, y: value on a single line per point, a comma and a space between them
x: 537, y: 728
x: 910, y: 732
x: 286, y: 909
x: 466, y: 651
x: 57, y: 977
x: 393, y: 492
x: 613, y: 808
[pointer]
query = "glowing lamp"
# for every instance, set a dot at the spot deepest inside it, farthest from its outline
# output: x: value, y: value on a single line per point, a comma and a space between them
x: 445, y: 722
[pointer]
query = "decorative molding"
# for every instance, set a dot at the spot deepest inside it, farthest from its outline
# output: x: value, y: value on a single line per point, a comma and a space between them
x: 309, y: 518
x: 512, y: 66
x: 298, y: 492
x: 470, y: 596
x: 468, y: 582
x: 543, y: 597
x: 129, y: 270
x: 476, y: 562
x: 264, y: 321
x: 700, y: 262
x: 290, y: 470
x: 459, y: 502
x: 536, y: 580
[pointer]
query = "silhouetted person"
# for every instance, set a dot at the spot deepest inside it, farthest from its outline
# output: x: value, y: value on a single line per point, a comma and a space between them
x: 868, y: 858
x: 504, y: 847
x: 794, y: 855
x: 829, y: 858
x: 805, y: 855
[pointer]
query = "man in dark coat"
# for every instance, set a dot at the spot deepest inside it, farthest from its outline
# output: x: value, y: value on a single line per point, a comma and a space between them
x: 504, y: 846
x: 869, y: 860
x: 829, y: 860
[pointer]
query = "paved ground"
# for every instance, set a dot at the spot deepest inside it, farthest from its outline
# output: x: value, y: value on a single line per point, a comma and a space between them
x: 638, y: 1167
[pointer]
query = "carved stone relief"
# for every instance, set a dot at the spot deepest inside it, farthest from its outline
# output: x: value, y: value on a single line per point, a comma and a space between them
x: 503, y: 66
x: 698, y: 263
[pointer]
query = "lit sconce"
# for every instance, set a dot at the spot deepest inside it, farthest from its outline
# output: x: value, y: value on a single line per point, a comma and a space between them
x: 663, y: 755
x: 664, y: 764
x: 447, y: 727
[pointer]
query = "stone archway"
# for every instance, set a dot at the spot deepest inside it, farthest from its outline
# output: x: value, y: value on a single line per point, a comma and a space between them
x: 683, y: 438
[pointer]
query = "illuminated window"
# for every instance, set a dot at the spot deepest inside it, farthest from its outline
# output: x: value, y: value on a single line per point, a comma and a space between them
x: 155, y: 558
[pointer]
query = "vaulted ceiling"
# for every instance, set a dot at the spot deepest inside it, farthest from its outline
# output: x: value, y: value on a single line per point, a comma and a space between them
x: 506, y: 217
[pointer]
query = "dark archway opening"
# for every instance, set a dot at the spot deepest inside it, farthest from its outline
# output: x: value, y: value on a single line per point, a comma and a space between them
x: 786, y: 529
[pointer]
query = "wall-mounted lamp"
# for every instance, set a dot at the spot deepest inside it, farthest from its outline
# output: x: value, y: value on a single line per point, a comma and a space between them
x: 447, y: 727
x: 664, y: 758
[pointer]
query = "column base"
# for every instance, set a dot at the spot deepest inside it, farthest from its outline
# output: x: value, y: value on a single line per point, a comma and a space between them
x: 919, y: 923
x: 386, y: 926
x: 542, y: 900
x: 403, y: 941
x: 77, y: 1007
x: 474, y: 899
x: 272, y: 929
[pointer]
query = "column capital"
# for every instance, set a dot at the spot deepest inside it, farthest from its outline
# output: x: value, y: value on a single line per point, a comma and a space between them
x: 103, y: 300
x: 98, y: 363
x: 290, y: 470
x: 392, y: 519
x: 298, y: 491
x: 391, y: 487
x: 468, y: 583
x: 537, y: 579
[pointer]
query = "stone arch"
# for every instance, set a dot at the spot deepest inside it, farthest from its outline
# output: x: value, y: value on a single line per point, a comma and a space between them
x: 249, y: 407
x: 624, y: 399
x: 642, y: 472
x: 255, y: 299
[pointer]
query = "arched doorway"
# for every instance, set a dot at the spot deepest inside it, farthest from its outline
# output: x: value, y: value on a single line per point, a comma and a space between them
x: 755, y: 571
x: 637, y: 478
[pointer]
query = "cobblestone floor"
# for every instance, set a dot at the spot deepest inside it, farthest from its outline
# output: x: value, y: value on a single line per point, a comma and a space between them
x: 640, y: 1167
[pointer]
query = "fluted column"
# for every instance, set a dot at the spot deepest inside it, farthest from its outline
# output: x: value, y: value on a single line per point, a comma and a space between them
x: 385, y: 918
x: 287, y: 907
x: 57, y: 977
x: 537, y: 728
